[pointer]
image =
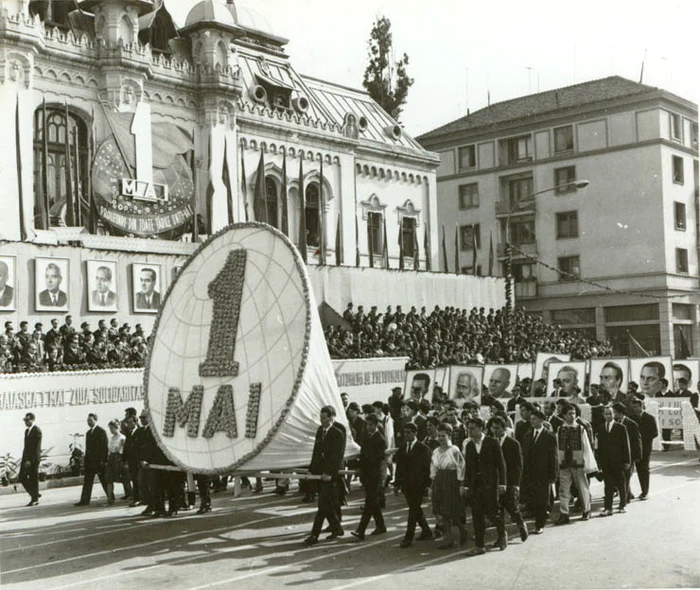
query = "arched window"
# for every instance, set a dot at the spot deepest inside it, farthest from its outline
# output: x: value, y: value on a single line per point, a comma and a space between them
x: 271, y: 201
x: 408, y: 235
x: 61, y: 174
x: 312, y: 213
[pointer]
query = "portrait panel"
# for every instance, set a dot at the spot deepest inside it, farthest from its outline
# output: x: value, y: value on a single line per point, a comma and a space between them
x: 8, y: 283
x: 500, y: 380
x: 102, y: 286
x: 51, y: 284
x: 571, y: 374
x: 688, y: 369
x: 146, y: 287
x: 419, y: 384
x: 525, y: 371
x: 465, y: 383
x: 544, y: 359
x: 648, y: 372
x: 612, y: 373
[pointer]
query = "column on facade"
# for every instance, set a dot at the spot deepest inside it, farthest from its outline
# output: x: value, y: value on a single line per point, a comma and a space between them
x: 666, y: 326
x: 347, y: 206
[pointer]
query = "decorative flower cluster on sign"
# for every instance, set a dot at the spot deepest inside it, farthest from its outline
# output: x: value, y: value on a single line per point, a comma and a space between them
x: 251, y: 419
x: 222, y: 417
x: 183, y: 413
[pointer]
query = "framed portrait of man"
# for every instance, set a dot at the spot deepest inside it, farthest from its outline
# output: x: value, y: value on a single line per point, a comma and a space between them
x: 8, y: 282
x: 442, y: 377
x: 419, y: 384
x: 52, y: 284
x: 611, y: 373
x: 688, y: 369
x: 500, y: 380
x: 542, y: 362
x: 465, y: 383
x: 102, y: 287
x: 649, y: 372
x: 146, y: 286
x: 567, y: 380
x: 525, y: 371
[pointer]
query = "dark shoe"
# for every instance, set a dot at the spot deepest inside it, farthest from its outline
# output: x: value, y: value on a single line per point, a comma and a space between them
x: 147, y: 512
x: 378, y: 531
x: 621, y: 510
x: 33, y: 503
x: 426, y: 535
x: 405, y: 543
x: 204, y: 509
x: 643, y: 497
x: 503, y: 542
x: 538, y: 531
x: 335, y: 535
x: 446, y: 545
x: 358, y: 535
x: 476, y: 551
x: 328, y: 529
x: 280, y: 491
x: 605, y: 512
x: 125, y: 497
x: 159, y: 514
x: 81, y: 503
x: 310, y: 541
x: 586, y: 515
x: 523, y: 534
x: 563, y: 519
x: 631, y: 496
x: 307, y: 499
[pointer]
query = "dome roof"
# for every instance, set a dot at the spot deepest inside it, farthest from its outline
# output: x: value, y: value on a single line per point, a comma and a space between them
x: 252, y: 20
x: 210, y: 11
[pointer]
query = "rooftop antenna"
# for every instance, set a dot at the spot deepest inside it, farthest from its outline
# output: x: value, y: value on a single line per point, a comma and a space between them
x: 488, y: 90
x: 641, y: 74
x: 466, y: 89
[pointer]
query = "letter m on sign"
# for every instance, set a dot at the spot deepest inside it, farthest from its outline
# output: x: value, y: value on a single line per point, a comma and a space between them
x: 188, y: 412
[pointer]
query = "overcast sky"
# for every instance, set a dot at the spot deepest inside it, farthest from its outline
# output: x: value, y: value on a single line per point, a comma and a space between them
x: 460, y: 49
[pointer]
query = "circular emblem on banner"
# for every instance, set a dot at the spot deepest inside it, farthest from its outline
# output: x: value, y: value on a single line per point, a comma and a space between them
x: 229, y: 349
x: 126, y: 214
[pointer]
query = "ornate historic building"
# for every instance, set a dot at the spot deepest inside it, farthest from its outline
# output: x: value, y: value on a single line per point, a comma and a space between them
x: 127, y: 138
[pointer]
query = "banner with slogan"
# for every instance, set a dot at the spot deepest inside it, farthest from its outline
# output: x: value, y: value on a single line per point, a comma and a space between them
x: 370, y: 380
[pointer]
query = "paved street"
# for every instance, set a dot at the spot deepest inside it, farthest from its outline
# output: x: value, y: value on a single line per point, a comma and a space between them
x: 256, y: 540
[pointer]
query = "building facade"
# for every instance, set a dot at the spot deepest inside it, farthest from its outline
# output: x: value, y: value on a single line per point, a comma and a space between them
x: 128, y: 137
x: 616, y: 258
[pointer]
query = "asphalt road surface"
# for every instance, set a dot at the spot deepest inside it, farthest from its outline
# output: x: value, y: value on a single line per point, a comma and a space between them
x: 255, y: 541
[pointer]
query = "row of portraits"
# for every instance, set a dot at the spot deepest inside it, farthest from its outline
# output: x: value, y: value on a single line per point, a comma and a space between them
x: 561, y: 375
x: 52, y: 285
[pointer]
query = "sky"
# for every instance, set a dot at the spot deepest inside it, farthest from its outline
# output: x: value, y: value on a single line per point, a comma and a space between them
x: 462, y: 51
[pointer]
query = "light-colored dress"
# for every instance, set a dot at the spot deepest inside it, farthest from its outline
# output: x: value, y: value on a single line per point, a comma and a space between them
x: 115, y: 445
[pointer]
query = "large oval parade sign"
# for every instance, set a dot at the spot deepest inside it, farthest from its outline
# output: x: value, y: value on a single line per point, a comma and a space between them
x: 238, y: 363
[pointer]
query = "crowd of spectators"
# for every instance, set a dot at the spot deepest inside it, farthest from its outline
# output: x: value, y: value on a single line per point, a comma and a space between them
x: 66, y: 349
x: 454, y: 336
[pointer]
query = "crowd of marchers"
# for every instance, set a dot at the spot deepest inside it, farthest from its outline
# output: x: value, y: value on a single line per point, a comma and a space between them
x: 452, y: 336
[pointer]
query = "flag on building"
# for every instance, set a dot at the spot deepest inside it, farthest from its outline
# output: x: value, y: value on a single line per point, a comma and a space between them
x: 302, y: 213
x: 491, y: 254
x: 285, y: 204
x: 260, y: 194
x: 226, y: 179
x: 385, y: 248
x: 636, y: 349
x: 444, y: 250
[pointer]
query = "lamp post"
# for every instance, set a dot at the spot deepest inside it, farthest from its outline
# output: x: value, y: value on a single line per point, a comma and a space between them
x: 509, y: 247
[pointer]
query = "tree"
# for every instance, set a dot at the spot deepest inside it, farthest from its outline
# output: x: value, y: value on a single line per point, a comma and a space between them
x: 387, y: 83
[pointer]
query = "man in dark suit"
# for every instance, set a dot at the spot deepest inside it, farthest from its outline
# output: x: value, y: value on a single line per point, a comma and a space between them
x: 7, y: 293
x: 102, y: 295
x: 148, y: 297
x: 539, y: 468
x: 95, y: 460
x: 327, y: 461
x: 484, y: 481
x: 635, y: 440
x: 412, y: 478
x: 513, y: 457
x: 31, y: 457
x: 522, y: 426
x: 613, y: 460
x: 648, y: 431
x: 373, y: 449
x: 52, y: 296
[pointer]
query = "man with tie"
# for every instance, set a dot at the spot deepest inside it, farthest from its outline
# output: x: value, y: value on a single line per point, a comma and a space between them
x: 413, y: 478
x: 7, y: 292
x: 148, y: 297
x: 539, y: 468
x: 52, y: 296
x: 95, y: 459
x: 484, y: 481
x: 31, y: 457
x: 513, y: 457
x: 635, y: 440
x: 327, y: 460
x: 613, y: 459
x: 576, y: 460
x: 373, y: 449
x: 103, y: 296
x: 648, y: 431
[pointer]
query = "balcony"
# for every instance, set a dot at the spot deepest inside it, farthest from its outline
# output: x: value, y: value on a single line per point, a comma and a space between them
x: 503, y: 208
x: 529, y: 249
x: 525, y: 289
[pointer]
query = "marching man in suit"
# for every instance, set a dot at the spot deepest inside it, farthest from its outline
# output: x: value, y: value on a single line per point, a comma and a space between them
x: 635, y: 439
x: 95, y: 460
x: 614, y: 460
x: 327, y: 461
x: 648, y: 431
x: 31, y: 457
x: 539, y: 468
x: 484, y: 481
x: 372, y: 453
x: 513, y: 457
x: 413, y: 478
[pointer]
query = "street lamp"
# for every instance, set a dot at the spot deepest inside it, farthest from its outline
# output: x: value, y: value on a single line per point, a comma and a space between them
x: 509, y: 247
